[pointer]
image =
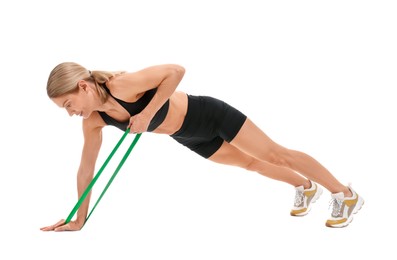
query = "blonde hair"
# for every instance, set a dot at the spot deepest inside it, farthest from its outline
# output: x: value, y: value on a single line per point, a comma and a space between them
x: 64, y: 77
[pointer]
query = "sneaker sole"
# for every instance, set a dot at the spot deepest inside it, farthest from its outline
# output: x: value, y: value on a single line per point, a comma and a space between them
x: 359, y: 205
x: 315, y: 198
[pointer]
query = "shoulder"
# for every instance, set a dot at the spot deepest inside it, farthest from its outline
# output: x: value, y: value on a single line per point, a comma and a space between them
x: 124, y: 83
x: 121, y: 79
x: 129, y: 86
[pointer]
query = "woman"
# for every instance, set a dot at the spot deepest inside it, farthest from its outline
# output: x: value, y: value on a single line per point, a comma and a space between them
x: 146, y: 100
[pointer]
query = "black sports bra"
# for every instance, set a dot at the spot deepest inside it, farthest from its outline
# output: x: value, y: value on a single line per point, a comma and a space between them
x: 134, y: 108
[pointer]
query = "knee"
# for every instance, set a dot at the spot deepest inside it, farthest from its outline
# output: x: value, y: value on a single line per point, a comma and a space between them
x: 251, y: 165
x: 280, y: 158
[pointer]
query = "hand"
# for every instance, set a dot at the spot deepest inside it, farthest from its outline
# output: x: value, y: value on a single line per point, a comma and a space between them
x: 139, y: 123
x: 61, y: 226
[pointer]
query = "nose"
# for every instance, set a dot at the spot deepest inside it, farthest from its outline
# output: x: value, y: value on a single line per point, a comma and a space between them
x: 69, y: 112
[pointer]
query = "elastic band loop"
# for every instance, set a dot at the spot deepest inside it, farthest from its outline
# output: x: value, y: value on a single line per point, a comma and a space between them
x: 93, y: 181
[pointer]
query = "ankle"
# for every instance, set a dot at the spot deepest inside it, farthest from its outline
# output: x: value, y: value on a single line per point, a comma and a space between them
x: 307, y: 184
x: 347, y: 192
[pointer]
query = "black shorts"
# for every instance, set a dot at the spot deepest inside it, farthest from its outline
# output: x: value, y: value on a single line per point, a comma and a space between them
x: 207, y: 124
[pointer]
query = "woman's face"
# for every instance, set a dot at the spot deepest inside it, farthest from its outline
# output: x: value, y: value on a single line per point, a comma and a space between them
x: 80, y: 102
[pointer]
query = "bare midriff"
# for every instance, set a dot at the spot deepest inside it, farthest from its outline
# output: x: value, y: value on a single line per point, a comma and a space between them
x: 176, y: 114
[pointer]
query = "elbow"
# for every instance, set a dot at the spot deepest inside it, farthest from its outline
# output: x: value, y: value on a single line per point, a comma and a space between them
x: 178, y: 70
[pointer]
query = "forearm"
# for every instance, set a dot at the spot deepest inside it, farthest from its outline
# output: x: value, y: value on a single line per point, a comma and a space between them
x: 84, y: 178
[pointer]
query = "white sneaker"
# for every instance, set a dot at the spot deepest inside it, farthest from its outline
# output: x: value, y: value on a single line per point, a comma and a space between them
x: 344, y: 208
x: 304, y: 199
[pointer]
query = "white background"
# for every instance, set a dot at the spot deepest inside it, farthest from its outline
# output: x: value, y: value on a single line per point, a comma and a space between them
x: 316, y: 76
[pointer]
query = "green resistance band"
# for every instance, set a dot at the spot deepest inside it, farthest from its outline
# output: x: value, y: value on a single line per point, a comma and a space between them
x: 91, y: 184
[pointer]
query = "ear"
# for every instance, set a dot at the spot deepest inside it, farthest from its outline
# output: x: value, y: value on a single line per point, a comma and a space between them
x: 82, y: 84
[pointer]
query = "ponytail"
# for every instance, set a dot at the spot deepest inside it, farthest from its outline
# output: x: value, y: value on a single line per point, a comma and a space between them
x: 64, y: 77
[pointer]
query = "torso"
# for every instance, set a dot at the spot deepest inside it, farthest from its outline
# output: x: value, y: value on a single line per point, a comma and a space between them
x: 172, y: 122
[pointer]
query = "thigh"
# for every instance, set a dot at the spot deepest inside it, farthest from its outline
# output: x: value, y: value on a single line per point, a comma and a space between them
x: 254, y: 142
x: 231, y: 155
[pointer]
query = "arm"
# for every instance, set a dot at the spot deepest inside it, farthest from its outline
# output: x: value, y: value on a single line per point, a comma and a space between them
x: 163, y: 77
x: 92, y: 144
x: 166, y: 78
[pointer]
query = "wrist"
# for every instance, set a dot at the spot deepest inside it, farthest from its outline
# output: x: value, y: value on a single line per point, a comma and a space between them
x: 80, y: 221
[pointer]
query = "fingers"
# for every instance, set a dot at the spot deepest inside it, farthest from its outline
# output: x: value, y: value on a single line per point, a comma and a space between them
x: 46, y: 228
x: 132, y: 131
x: 53, y: 227
x: 138, y: 124
x: 61, y: 226
x: 130, y: 124
x: 66, y: 227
